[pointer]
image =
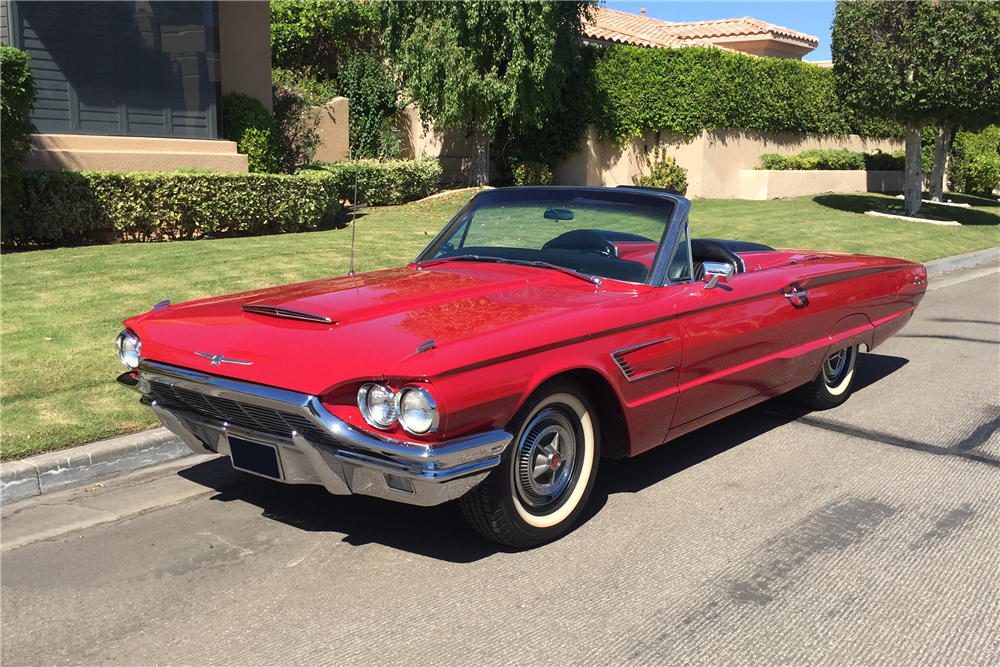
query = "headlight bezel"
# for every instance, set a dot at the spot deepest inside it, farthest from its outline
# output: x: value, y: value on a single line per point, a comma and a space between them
x: 135, y: 347
x: 431, y: 407
x: 363, y: 404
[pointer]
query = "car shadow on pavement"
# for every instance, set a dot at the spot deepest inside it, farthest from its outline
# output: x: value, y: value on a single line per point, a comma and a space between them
x: 635, y: 474
x: 441, y: 532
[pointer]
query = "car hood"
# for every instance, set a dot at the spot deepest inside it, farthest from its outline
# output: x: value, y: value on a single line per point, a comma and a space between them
x: 379, y: 319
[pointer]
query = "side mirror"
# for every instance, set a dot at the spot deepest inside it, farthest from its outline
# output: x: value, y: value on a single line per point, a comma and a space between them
x: 714, y: 271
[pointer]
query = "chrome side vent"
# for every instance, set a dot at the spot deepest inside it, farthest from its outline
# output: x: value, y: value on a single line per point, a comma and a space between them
x: 623, y: 365
x: 626, y: 368
x: 287, y: 314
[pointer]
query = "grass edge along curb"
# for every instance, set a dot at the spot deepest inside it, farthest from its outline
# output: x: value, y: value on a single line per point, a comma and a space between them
x: 58, y: 469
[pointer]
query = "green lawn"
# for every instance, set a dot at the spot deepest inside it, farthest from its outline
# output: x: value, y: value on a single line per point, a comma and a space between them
x: 60, y: 310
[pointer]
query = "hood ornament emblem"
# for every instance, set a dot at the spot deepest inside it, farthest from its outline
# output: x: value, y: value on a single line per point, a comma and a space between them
x: 219, y: 359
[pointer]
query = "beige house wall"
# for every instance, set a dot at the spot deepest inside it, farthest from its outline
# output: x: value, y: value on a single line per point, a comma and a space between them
x: 94, y: 152
x: 714, y: 160
x: 245, y: 49
x: 453, y: 149
x: 762, y: 184
x: 334, y: 130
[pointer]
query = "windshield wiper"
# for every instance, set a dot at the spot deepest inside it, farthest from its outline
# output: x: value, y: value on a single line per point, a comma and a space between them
x: 516, y: 262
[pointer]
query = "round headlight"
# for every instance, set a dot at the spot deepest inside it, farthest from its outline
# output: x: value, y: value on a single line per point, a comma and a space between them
x: 417, y: 411
x: 129, y: 349
x: 378, y: 405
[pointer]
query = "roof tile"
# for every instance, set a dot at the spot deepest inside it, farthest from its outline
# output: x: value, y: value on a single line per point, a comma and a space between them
x: 611, y: 25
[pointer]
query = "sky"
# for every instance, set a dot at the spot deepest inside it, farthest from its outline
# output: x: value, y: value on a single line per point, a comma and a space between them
x: 812, y: 17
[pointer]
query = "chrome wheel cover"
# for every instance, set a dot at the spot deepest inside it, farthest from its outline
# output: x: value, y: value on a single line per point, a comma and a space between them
x: 834, y: 365
x: 545, y: 459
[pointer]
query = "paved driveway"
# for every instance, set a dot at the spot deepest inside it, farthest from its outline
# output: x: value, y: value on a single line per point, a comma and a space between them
x: 867, y: 535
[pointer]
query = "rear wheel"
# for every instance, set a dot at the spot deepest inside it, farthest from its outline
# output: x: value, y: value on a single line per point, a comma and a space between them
x: 832, y: 386
x: 546, y: 474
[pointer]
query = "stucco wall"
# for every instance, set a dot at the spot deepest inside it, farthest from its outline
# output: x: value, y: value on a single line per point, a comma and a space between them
x: 713, y: 159
x: 334, y: 130
x: 453, y: 149
x: 245, y: 48
x: 94, y: 152
x: 766, y: 184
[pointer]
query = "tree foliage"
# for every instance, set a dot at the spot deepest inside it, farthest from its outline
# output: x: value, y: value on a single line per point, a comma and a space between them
x: 367, y: 83
x: 317, y: 34
x: 488, y: 67
x: 919, y: 63
x: 922, y: 62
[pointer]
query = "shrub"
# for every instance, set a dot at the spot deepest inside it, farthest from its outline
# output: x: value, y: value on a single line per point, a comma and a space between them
x: 17, y: 96
x: 532, y: 173
x: 984, y: 173
x: 385, y: 183
x: 826, y: 159
x: 975, y: 161
x: 75, y: 206
x: 296, y: 122
x: 692, y: 89
x: 664, y: 172
x: 250, y: 125
x: 314, y: 89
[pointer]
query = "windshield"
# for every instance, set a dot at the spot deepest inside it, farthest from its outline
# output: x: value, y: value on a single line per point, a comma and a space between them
x: 607, y: 233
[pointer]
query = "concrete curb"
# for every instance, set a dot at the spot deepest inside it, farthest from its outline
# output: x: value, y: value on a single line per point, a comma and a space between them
x: 956, y: 262
x: 49, y: 472
x: 52, y: 471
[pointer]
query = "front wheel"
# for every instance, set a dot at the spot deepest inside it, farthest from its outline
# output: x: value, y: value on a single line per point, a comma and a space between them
x: 546, y: 474
x: 832, y: 386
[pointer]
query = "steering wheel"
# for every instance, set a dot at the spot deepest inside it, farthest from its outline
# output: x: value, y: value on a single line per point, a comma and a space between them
x: 586, y: 241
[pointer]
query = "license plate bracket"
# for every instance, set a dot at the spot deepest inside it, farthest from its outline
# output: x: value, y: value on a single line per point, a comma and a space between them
x: 256, y: 457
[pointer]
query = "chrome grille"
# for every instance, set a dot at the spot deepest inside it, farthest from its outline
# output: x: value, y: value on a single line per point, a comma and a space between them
x: 245, y: 415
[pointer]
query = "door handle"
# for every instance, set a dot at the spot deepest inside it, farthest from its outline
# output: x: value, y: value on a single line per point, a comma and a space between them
x: 798, y: 298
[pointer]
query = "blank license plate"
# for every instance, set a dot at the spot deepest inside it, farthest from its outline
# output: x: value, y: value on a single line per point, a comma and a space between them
x: 255, y: 457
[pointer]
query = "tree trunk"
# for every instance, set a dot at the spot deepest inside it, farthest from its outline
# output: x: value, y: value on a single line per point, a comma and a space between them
x: 912, y: 178
x: 479, y: 175
x: 940, y: 157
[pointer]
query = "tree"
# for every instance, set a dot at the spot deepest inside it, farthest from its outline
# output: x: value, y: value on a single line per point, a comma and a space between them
x: 316, y: 34
x: 482, y: 67
x: 919, y: 63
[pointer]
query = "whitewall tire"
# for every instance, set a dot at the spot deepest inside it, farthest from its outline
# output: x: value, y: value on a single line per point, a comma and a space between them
x: 546, y: 474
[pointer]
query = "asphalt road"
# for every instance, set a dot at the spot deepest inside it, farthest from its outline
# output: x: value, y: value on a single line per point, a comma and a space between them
x: 865, y: 535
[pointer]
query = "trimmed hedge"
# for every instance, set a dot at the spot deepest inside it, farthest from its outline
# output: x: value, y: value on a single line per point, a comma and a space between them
x: 386, y: 182
x: 843, y: 159
x: 75, y: 206
x: 692, y: 89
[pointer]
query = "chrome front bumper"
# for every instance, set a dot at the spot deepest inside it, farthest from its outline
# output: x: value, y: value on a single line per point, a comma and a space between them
x: 314, y: 446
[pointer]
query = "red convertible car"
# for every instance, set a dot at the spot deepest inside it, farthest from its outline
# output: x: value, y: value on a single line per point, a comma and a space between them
x: 541, y: 330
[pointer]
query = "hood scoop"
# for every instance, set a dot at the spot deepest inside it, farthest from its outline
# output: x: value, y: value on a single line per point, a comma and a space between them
x: 287, y: 314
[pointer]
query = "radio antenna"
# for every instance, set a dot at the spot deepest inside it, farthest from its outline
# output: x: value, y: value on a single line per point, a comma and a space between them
x: 354, y: 215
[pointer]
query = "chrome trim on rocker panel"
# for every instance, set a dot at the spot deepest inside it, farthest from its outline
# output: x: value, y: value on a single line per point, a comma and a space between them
x: 359, y: 463
x: 619, y: 358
